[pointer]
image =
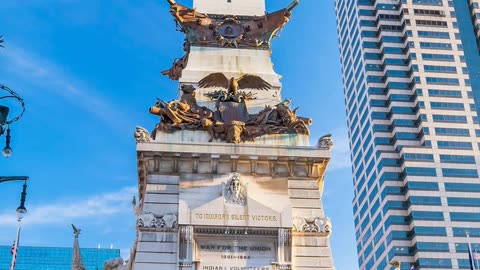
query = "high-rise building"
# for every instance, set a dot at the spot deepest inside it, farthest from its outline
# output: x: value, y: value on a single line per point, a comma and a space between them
x: 475, y: 15
x: 55, y: 258
x: 410, y: 72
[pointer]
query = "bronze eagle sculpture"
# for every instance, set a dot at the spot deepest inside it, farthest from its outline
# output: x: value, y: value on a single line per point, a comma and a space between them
x: 232, y: 85
x: 76, y: 231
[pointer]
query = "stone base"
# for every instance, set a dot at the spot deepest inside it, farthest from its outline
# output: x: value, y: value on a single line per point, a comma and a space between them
x: 200, y: 136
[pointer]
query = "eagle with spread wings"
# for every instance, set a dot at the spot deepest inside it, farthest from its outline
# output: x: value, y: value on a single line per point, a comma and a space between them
x: 232, y: 85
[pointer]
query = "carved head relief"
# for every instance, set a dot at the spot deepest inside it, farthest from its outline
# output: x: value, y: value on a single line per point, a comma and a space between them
x: 230, y: 29
x: 235, y: 191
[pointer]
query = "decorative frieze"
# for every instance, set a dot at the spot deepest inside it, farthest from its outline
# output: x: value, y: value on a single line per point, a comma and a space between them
x: 150, y: 220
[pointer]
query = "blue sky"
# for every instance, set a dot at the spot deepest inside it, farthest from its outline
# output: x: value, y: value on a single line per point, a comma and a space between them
x: 89, y: 70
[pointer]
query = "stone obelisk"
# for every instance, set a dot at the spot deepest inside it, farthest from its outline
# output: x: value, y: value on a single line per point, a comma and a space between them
x: 227, y: 178
x: 77, y: 262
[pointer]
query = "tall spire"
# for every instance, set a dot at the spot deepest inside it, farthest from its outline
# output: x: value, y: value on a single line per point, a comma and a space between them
x: 77, y: 263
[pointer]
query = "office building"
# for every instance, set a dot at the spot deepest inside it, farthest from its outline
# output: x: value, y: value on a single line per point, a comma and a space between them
x: 55, y: 258
x: 410, y: 72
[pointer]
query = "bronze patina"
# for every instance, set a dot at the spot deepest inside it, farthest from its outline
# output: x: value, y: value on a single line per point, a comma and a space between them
x: 230, y: 121
x: 219, y: 30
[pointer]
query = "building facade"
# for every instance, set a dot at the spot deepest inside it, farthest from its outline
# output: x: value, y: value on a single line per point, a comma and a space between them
x: 55, y: 258
x: 410, y: 79
x: 474, y: 6
x: 227, y: 178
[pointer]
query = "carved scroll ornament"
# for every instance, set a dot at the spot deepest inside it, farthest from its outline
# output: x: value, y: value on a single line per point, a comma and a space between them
x: 312, y: 225
x: 141, y: 135
x: 325, y: 142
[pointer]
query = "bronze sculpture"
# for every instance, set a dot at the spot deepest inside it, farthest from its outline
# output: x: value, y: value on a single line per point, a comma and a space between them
x: 231, y: 121
x: 207, y: 30
x: 233, y: 85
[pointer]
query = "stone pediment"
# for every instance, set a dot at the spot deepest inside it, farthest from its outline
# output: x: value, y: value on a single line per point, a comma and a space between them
x: 220, y: 213
x: 251, y: 206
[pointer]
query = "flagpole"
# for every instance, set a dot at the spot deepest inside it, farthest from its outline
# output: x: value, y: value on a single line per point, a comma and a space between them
x: 470, y: 255
x: 476, y: 258
x: 15, y: 250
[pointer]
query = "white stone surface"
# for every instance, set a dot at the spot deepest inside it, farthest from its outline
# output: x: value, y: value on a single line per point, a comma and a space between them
x: 203, y: 61
x: 237, y: 7
x: 205, y: 204
x: 234, y: 149
x: 239, y: 252
x: 200, y: 136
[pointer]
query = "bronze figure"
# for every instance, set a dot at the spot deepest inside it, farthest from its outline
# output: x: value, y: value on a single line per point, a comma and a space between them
x: 233, y: 85
x: 231, y: 121
x: 207, y: 30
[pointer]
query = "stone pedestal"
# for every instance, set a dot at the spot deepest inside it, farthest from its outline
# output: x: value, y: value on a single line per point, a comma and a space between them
x: 190, y: 216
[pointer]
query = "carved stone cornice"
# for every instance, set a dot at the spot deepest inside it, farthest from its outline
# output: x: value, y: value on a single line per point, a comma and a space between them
x: 207, y: 30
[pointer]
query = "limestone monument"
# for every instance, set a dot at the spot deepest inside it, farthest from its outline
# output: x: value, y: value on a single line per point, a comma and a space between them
x: 227, y: 179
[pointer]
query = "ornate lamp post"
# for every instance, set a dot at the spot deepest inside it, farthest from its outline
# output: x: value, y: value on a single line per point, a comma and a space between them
x: 7, y: 93
x: 4, y: 120
x: 21, y: 211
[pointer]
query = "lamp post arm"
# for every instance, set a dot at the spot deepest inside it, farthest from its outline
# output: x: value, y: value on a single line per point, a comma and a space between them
x: 12, y: 178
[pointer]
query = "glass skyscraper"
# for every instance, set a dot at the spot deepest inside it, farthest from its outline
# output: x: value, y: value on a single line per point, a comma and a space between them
x: 54, y: 258
x: 411, y: 76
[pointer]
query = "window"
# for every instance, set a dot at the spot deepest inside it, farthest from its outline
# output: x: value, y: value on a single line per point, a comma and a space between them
x: 434, y: 263
x: 442, y: 81
x: 436, y: 46
x: 454, y: 145
x: 452, y: 131
x: 428, y: 12
x: 471, y: 173
x: 457, y: 159
x: 461, y: 232
x: 473, y: 202
x: 460, y: 187
x: 432, y: 34
x: 457, y: 216
x: 426, y: 215
x: 427, y: 246
x: 438, y: 57
x: 420, y: 171
x: 422, y: 185
x: 440, y: 69
x: 449, y: 118
x: 428, y: 2
x: 447, y: 106
x: 440, y: 231
x: 431, y: 23
x: 419, y: 200
x: 444, y: 93
x: 418, y: 157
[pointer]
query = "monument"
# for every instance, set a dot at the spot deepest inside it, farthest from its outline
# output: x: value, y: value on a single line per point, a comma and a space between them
x: 227, y: 179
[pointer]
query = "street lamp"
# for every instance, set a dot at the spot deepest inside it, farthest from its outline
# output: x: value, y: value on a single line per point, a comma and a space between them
x: 21, y: 212
x: 4, y: 111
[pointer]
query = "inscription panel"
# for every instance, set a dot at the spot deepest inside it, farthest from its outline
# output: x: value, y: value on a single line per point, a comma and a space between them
x: 236, y: 253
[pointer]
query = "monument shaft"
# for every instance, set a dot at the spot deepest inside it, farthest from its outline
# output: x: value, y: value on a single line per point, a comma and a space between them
x: 228, y: 181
